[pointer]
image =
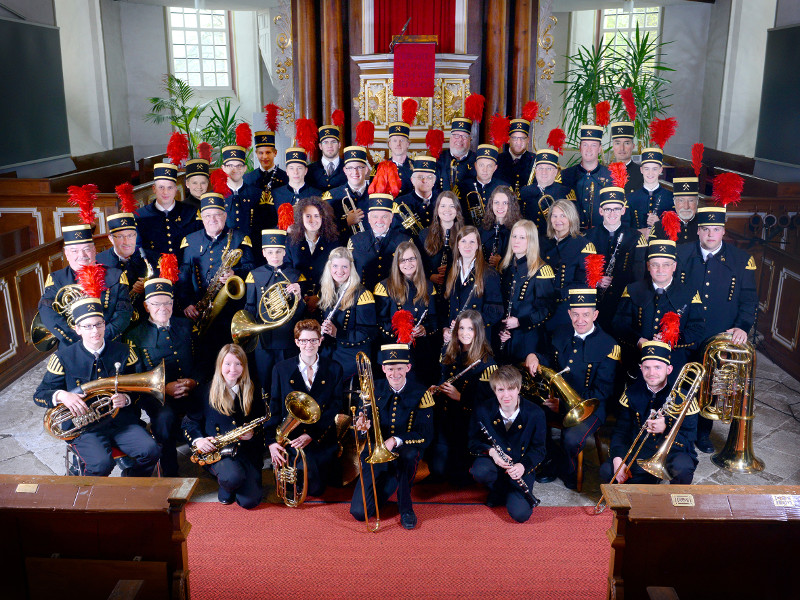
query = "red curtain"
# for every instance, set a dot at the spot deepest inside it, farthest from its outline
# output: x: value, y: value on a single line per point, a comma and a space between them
x: 428, y: 17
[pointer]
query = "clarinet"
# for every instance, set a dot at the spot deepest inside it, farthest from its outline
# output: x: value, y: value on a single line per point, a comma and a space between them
x: 437, y: 388
x: 612, y: 262
x: 496, y: 242
x: 335, y: 307
x: 533, y: 500
x: 508, y: 307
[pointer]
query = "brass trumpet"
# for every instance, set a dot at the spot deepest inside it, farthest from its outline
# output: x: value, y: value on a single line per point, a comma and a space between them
x: 302, y: 408
x: 349, y: 205
x: 276, y: 308
x: 410, y: 222
x: 475, y: 205
x: 551, y: 384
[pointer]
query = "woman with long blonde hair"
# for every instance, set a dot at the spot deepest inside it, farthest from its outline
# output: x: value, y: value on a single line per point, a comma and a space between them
x: 225, y: 403
x: 528, y: 292
x: 348, y: 310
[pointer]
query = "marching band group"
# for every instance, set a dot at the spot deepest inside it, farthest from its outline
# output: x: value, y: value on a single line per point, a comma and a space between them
x: 487, y: 280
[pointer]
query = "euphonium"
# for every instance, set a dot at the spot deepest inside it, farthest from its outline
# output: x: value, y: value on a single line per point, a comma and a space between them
x: 551, y: 384
x: 218, y: 293
x: 727, y: 395
x: 224, y: 443
x: 304, y: 409
x: 41, y: 337
x: 98, y: 400
x: 349, y: 205
x: 410, y: 222
x: 276, y: 307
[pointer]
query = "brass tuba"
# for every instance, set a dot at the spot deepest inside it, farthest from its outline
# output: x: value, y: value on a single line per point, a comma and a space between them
x: 304, y: 409
x: 41, y: 337
x: 551, y: 384
x: 410, y: 221
x: 62, y: 424
x: 275, y: 308
x: 218, y: 293
x: 727, y: 395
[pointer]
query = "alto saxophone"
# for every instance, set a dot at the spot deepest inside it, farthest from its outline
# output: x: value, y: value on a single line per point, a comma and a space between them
x: 223, y: 443
x: 218, y: 293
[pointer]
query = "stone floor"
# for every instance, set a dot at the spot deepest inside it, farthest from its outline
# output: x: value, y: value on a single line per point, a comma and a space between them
x: 26, y: 449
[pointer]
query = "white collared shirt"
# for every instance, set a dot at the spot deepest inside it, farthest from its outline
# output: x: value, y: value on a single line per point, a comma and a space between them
x: 583, y: 336
x: 330, y: 161
x: 312, y: 244
x: 360, y: 190
x: 162, y: 209
x: 465, y: 276
x: 95, y: 352
x: 159, y: 326
x: 714, y: 252
x: 507, y: 421
x: 652, y: 189
x: 303, y: 367
x: 237, y: 188
x: 664, y: 287
x: 398, y: 440
x: 612, y: 230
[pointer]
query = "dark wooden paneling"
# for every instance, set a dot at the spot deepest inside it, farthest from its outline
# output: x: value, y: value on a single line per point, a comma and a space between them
x: 496, y: 43
x: 103, y: 159
x: 24, y: 186
x: 333, y: 58
x: 306, y: 64
x: 526, y: 15
x: 16, y: 240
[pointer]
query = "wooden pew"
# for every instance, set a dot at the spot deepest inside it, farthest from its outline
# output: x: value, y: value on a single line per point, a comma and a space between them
x: 105, y: 178
x: 24, y: 186
x: 16, y: 241
x: 146, y: 167
x: 103, y: 159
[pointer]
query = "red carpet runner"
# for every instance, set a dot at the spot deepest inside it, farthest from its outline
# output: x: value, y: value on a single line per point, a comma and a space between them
x: 457, y: 551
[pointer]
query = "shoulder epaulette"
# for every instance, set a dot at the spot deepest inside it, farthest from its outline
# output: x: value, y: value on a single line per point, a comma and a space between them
x: 250, y: 278
x: 625, y: 293
x: 457, y: 192
x: 642, y: 241
x: 366, y: 298
x: 380, y: 290
x: 751, y: 264
x: 589, y: 249
x: 694, y: 408
x: 616, y: 352
x: 426, y: 401
x: 350, y: 244
x: 54, y: 365
x: 433, y: 291
x: 487, y: 372
x: 571, y: 195
x: 246, y: 241
x: 266, y: 198
x: 184, y: 243
x: 198, y: 217
x: 546, y: 272
x: 49, y: 281
x: 696, y: 298
x: 326, y: 196
x: 623, y: 400
x: 132, y: 358
x: 123, y: 278
x: 301, y: 278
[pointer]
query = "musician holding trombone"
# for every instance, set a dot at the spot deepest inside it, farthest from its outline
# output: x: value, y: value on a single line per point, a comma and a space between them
x: 404, y: 409
x: 637, y: 410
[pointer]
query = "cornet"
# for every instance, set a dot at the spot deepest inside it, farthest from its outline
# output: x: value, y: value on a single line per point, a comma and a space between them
x: 349, y: 205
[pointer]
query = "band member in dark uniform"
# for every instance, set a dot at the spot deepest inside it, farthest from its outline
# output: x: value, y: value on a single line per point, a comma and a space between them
x: 515, y: 165
x: 312, y: 238
x: 163, y: 223
x: 80, y: 252
x: 297, y: 187
x: 404, y: 408
x: 374, y: 248
x: 243, y: 204
x: 647, y: 203
x: 227, y: 403
x: 502, y: 211
x: 529, y: 294
x: 565, y: 250
x: 544, y: 186
x: 467, y: 364
x: 685, y: 196
x: 350, y: 323
x: 267, y: 176
x: 518, y: 427
x: 622, y: 134
x: 644, y: 303
x: 725, y: 276
x: 352, y: 193
x: 592, y: 357
x: 164, y: 336
x: 197, y: 179
x: 471, y: 283
x: 93, y: 357
x: 398, y: 143
x: 624, y: 250
x: 420, y: 198
x: 276, y: 344
x: 327, y: 173
x: 456, y: 164
x: 588, y: 177
x: 320, y: 378
x: 475, y: 193
x: 637, y: 405
x: 437, y: 241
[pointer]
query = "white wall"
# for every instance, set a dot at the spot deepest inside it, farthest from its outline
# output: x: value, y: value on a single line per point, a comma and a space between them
x: 115, y: 73
x: 36, y: 11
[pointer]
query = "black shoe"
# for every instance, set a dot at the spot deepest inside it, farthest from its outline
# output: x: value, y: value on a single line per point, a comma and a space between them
x: 570, y: 482
x: 408, y: 519
x: 704, y: 444
x: 494, y: 500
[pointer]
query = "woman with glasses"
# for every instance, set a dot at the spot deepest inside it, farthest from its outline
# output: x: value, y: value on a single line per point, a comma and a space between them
x: 225, y: 404
x: 349, y: 324
x: 502, y: 211
x: 528, y: 292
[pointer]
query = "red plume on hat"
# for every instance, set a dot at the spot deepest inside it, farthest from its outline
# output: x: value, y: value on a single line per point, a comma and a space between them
x: 92, y: 279
x: 498, y: 129
x: 602, y: 113
x: 473, y: 107
x: 285, y: 216
x: 244, y: 135
x: 556, y: 139
x: 671, y: 224
x: 127, y: 203
x: 271, y: 116
x: 630, y: 104
x: 727, y: 188
x: 402, y: 326
x: 410, y: 107
x: 204, y: 151
x: 386, y: 180
x: 306, y: 133
x: 365, y: 133
x: 530, y: 110
x: 218, y: 182
x: 434, y: 140
x: 337, y: 117
x: 168, y: 267
x: 595, y: 269
x: 669, y: 328
x: 178, y: 148
x: 619, y: 174
x: 697, y: 158
x: 661, y: 130
x: 84, y: 197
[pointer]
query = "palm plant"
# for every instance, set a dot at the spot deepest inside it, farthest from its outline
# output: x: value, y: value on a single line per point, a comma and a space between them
x: 220, y: 130
x: 176, y: 110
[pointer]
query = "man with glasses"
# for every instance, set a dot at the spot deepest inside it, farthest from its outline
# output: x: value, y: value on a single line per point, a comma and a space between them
x: 685, y: 191
x: 243, y: 204
x: 328, y: 172
x: 515, y: 164
x: 420, y: 199
x: 457, y: 164
x: 352, y: 194
x: 320, y: 378
x: 164, y: 336
x: 94, y: 357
